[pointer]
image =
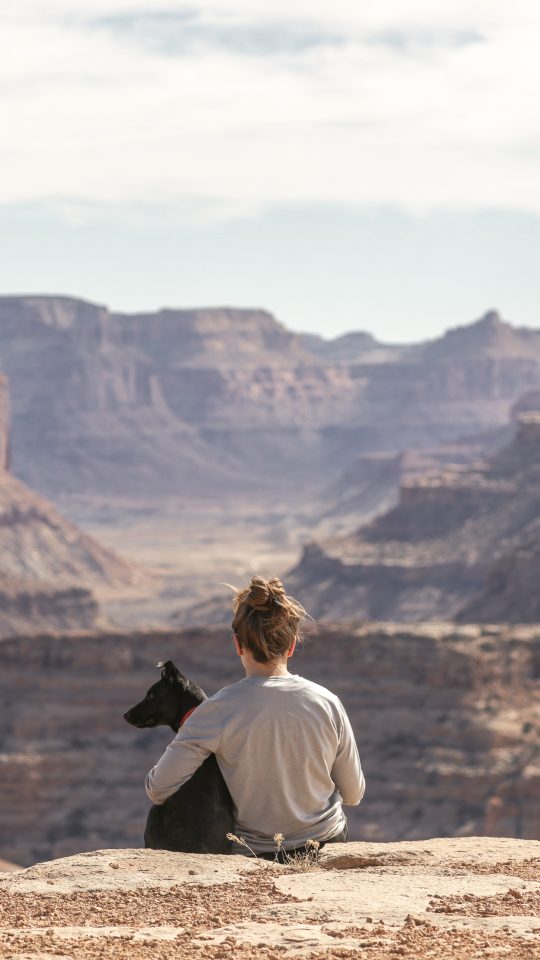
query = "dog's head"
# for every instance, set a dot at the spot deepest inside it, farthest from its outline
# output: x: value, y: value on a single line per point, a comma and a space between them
x: 162, y: 705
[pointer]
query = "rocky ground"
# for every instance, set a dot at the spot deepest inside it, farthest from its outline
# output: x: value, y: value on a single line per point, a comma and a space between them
x: 452, y: 898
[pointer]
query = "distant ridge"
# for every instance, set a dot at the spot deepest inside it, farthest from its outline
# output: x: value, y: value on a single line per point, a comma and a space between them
x: 491, y: 334
x: 223, y: 401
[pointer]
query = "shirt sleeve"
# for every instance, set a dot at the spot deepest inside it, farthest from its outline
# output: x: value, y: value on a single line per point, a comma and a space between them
x: 347, y: 771
x: 194, y: 742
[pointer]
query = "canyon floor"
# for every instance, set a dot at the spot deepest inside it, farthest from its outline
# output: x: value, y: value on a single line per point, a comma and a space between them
x: 452, y: 898
x: 190, y: 547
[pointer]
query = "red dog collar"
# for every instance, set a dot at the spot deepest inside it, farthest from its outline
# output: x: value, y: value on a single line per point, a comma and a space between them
x: 186, y: 715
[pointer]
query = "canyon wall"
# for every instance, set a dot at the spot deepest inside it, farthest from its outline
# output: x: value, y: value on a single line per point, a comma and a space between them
x: 47, y: 565
x: 199, y: 402
x: 461, y: 543
x: 447, y: 720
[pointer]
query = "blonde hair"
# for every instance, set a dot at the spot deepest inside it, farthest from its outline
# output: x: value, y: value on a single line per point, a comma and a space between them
x: 266, y: 620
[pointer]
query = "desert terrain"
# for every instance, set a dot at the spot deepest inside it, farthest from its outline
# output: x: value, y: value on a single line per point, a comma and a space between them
x: 147, y: 461
x: 429, y: 900
x: 210, y: 444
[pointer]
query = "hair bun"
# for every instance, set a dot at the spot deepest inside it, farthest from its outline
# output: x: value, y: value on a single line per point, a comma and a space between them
x: 264, y: 593
x: 259, y: 593
x: 276, y: 590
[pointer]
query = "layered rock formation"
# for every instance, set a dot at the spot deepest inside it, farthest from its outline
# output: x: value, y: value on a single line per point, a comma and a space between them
x: 461, y: 543
x: 447, y: 721
x: 37, y: 544
x: 370, y: 484
x: 46, y: 563
x: 511, y: 591
x: 438, y: 899
x: 221, y: 400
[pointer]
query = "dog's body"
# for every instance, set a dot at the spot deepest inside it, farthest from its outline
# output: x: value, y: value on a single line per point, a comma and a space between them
x: 197, y: 818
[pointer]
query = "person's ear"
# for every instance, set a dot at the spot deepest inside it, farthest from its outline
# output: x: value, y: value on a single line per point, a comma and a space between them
x: 237, y: 645
x: 291, y: 648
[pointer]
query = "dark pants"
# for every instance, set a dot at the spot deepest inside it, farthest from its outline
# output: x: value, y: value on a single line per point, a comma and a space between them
x: 281, y: 856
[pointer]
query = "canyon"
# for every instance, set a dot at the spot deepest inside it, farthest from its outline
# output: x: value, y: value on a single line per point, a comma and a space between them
x: 210, y: 444
x: 220, y: 401
x: 398, y: 485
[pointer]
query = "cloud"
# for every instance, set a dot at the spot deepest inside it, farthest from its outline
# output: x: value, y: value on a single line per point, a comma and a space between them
x: 405, y: 104
x: 413, y: 42
x: 186, y: 32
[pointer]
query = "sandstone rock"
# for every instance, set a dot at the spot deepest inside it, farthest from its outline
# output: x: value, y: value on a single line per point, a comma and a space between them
x: 442, y: 899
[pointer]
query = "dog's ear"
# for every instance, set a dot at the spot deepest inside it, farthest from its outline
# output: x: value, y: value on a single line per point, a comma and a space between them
x: 168, y: 670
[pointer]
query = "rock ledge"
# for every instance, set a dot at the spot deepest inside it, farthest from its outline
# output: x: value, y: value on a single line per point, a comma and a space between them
x: 462, y: 897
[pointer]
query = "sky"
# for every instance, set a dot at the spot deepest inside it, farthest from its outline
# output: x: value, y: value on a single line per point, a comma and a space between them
x: 344, y: 166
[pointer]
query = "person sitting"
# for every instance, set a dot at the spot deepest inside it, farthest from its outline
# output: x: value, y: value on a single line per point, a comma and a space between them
x: 284, y: 744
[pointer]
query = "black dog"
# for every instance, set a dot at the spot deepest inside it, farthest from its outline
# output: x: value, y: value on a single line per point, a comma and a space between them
x: 197, y: 818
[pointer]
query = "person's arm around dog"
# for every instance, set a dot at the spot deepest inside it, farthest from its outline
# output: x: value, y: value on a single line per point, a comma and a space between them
x: 194, y: 742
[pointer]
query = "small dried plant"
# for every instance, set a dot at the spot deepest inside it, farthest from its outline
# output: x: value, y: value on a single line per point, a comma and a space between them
x: 242, y: 842
x: 306, y: 860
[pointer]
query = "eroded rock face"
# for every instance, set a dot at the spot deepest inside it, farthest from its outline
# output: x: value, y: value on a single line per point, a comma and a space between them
x: 32, y: 607
x: 511, y: 592
x: 47, y: 565
x: 447, y: 720
x: 38, y: 545
x: 4, y: 424
x: 457, y: 538
x: 457, y: 899
x: 223, y: 400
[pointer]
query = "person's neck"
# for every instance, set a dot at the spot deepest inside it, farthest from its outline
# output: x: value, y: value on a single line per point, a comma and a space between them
x: 274, y: 669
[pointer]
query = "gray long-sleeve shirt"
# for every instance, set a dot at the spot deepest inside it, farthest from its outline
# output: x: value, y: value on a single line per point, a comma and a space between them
x: 287, y: 753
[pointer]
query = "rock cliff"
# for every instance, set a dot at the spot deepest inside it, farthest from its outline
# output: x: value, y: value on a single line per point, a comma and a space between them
x: 200, y: 401
x: 437, y: 899
x: 47, y: 564
x: 457, y: 538
x: 38, y: 545
x: 447, y: 720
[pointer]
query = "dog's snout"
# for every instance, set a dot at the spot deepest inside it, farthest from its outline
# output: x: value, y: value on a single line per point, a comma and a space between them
x: 127, y: 714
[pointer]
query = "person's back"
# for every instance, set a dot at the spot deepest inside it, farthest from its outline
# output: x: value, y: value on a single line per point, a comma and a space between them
x: 284, y: 745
